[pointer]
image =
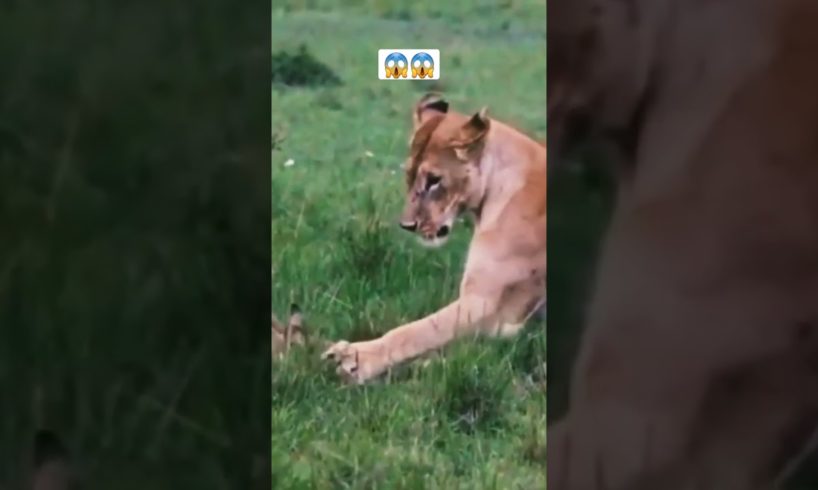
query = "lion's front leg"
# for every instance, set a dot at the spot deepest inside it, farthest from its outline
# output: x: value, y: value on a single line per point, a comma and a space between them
x: 361, y: 361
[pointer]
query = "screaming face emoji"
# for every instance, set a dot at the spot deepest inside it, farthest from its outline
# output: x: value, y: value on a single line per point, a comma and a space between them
x: 423, y: 66
x: 395, y: 65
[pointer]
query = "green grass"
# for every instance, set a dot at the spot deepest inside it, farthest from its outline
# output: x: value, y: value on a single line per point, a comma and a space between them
x: 476, y: 418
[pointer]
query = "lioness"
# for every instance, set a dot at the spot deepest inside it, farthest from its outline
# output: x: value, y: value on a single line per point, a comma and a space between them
x: 458, y: 164
x: 699, y: 363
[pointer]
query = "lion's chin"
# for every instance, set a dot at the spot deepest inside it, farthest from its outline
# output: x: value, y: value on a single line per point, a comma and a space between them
x: 440, y: 237
x: 435, y: 242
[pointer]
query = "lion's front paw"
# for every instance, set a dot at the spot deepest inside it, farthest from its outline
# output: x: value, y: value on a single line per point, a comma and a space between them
x: 357, y: 362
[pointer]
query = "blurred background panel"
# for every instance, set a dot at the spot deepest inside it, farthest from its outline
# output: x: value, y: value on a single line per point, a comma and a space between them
x: 134, y: 240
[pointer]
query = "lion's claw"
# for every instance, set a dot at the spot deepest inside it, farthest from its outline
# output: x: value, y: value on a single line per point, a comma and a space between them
x: 356, y: 362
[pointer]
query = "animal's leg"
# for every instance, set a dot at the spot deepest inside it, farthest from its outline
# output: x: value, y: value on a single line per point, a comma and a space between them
x: 361, y: 361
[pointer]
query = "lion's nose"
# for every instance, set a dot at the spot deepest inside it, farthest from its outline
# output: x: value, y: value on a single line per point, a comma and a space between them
x: 409, y: 225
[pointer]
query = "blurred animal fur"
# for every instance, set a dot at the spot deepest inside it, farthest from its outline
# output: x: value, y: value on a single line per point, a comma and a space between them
x: 283, y: 336
x: 698, y: 368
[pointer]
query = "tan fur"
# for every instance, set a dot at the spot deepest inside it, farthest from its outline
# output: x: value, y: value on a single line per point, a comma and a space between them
x: 284, y: 336
x: 697, y: 369
x: 495, y: 172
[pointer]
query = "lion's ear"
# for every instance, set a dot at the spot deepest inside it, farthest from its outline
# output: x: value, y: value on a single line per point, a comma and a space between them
x: 471, y: 134
x: 430, y: 105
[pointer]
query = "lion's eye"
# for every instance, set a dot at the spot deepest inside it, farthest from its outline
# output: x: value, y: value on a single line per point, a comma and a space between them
x: 432, y: 181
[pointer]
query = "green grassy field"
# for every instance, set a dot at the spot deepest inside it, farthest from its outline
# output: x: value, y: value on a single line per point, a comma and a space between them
x: 477, y: 419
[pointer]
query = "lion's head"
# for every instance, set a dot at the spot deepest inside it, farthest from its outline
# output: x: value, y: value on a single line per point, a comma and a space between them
x: 443, y: 168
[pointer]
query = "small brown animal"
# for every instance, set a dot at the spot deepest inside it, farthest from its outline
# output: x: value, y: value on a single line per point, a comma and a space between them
x: 283, y: 336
